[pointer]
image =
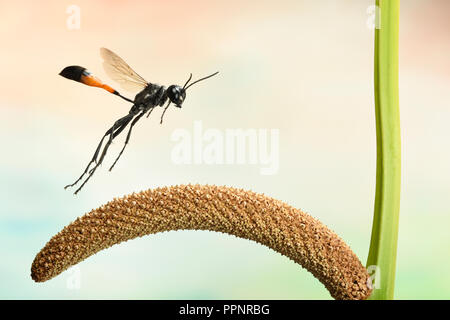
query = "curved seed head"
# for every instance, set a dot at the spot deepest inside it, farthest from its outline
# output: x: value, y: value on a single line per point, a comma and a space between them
x: 244, y: 214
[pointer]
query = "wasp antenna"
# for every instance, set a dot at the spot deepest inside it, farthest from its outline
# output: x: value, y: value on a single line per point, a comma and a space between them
x: 190, y: 77
x: 211, y: 75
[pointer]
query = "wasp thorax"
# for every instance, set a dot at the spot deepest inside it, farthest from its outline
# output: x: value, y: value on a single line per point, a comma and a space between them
x: 176, y: 95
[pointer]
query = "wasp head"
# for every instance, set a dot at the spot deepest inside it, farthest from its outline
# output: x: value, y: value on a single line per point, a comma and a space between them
x: 176, y: 94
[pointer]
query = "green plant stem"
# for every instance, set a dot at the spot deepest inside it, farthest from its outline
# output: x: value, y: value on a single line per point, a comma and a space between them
x: 383, y: 244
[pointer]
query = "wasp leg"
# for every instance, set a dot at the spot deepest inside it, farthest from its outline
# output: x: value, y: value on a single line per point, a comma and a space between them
x: 112, y: 136
x: 116, y: 133
x: 106, y: 147
x: 148, y: 114
x: 124, y: 122
x: 94, y: 159
x: 128, y: 138
x: 165, y: 109
x: 112, y: 131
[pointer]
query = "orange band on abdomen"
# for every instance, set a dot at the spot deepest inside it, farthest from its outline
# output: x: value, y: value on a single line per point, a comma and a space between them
x: 95, y: 82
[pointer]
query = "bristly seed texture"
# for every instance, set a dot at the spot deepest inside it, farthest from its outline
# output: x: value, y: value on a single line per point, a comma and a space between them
x: 244, y: 214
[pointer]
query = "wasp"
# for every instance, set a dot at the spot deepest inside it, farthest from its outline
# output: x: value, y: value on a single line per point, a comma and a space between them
x: 150, y: 96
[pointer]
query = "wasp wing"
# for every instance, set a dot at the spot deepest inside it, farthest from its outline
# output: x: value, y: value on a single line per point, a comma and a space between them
x: 119, y: 71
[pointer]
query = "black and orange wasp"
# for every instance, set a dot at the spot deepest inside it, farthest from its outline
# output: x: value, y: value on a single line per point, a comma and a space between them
x: 150, y: 96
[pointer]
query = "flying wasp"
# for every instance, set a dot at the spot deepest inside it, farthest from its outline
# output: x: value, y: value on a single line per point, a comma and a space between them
x: 149, y: 97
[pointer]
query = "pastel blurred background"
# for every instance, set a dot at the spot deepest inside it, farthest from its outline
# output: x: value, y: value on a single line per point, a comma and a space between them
x: 303, y: 67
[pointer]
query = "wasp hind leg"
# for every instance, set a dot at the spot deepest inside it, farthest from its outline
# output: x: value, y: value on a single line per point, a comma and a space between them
x: 118, y: 127
x: 128, y: 137
x: 150, y: 112
x: 93, y: 160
